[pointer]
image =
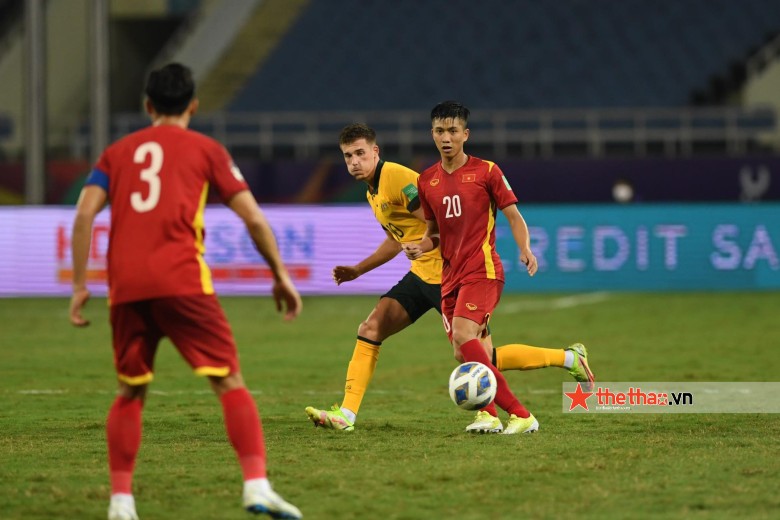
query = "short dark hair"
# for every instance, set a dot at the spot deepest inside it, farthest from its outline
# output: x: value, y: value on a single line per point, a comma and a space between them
x: 450, y: 110
x: 170, y: 89
x: 351, y: 133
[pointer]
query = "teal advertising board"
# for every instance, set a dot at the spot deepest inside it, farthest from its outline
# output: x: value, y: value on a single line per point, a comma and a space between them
x: 646, y: 247
x: 580, y: 247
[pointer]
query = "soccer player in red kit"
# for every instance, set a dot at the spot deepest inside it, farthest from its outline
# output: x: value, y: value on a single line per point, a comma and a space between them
x: 157, y: 180
x: 392, y: 194
x: 460, y: 196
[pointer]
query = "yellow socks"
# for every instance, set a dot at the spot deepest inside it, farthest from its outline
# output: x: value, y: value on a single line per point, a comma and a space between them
x: 526, y: 357
x: 359, y: 373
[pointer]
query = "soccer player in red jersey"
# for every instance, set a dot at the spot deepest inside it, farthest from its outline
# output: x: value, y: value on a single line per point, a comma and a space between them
x: 392, y: 194
x: 157, y: 180
x: 460, y: 196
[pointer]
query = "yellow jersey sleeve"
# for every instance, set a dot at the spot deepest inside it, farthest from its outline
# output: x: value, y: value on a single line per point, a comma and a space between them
x: 393, y: 202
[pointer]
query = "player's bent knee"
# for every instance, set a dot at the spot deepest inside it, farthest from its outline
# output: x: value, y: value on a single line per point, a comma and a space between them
x: 370, y: 329
x: 132, y: 391
x: 222, y: 385
x: 459, y: 338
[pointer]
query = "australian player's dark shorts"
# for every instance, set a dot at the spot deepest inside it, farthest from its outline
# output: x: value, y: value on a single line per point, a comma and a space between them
x: 416, y: 296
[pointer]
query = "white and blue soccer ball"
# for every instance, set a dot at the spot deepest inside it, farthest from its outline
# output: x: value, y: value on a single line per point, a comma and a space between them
x: 472, y: 386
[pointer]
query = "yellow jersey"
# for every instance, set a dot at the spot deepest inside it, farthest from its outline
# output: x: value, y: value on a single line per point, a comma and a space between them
x: 393, y: 200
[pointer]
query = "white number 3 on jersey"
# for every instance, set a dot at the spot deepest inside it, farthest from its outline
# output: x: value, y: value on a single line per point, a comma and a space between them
x: 148, y: 175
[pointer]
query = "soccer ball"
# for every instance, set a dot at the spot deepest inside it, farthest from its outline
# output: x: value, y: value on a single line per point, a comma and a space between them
x: 472, y: 386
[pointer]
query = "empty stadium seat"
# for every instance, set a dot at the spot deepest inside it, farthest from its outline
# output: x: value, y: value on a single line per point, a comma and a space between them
x: 407, y: 54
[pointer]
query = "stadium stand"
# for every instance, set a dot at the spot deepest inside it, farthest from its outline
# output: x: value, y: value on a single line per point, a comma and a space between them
x: 6, y: 126
x: 525, y: 54
x: 629, y: 80
x: 544, y: 78
x: 10, y: 12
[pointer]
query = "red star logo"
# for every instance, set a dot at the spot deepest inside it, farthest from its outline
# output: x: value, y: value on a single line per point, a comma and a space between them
x: 578, y: 398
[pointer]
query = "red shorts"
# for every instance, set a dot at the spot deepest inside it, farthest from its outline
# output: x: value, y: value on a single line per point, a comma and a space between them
x: 474, y: 300
x: 196, y: 325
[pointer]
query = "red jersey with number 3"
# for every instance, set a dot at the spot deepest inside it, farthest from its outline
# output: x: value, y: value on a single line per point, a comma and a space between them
x: 464, y: 204
x: 157, y: 181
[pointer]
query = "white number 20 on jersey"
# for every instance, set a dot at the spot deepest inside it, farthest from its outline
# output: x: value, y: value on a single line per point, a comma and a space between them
x: 148, y: 175
x: 453, y: 206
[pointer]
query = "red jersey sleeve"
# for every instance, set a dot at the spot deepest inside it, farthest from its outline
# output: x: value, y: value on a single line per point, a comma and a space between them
x: 499, y: 187
x: 422, y: 184
x: 225, y: 175
x: 100, y: 174
x: 425, y: 206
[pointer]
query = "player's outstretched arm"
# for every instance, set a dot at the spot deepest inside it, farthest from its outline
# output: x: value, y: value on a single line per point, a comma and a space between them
x: 386, y: 251
x: 522, y: 237
x: 91, y: 201
x: 284, y: 292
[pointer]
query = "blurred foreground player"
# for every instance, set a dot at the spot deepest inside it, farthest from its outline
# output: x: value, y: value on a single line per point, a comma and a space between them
x: 157, y: 180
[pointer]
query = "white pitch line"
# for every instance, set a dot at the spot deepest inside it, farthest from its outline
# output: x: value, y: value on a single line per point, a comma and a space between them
x: 564, y: 302
x: 253, y: 392
x: 111, y: 392
x: 41, y: 392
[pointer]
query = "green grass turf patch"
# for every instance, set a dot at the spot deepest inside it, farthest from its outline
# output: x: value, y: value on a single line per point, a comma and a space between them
x: 408, y: 457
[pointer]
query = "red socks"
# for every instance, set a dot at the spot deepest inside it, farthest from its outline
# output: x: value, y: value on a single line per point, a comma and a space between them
x: 474, y: 351
x: 245, y: 431
x: 242, y: 421
x: 123, y: 431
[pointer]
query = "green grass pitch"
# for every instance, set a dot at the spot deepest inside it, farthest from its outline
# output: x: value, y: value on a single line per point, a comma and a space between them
x: 408, y: 457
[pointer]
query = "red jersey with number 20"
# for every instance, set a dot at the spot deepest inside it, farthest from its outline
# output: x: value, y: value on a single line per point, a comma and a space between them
x: 464, y: 205
x: 157, y: 181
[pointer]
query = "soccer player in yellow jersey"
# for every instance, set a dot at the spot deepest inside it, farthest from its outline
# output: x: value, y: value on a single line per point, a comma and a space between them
x: 392, y: 194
